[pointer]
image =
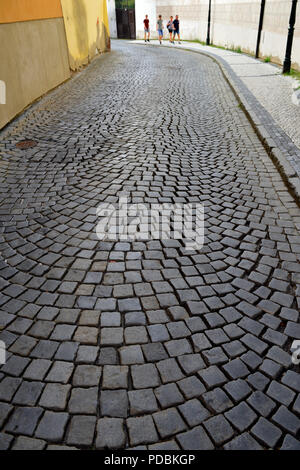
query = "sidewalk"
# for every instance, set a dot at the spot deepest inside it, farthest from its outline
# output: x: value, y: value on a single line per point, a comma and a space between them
x: 266, y: 96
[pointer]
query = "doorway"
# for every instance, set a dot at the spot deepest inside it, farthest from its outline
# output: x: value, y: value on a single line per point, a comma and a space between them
x: 125, y: 15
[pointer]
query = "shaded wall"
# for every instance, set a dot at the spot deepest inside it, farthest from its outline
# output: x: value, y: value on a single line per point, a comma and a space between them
x: 234, y: 24
x: 87, y: 29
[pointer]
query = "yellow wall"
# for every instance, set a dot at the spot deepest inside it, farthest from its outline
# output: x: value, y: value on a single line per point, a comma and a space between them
x: 12, y: 11
x: 87, y: 30
x: 31, y: 65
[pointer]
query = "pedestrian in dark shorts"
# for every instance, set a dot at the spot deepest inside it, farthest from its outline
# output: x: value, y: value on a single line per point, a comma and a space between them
x: 146, y: 29
x: 170, y: 27
x: 176, y: 31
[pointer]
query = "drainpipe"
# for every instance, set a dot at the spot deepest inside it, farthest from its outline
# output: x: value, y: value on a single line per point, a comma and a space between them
x: 208, y: 24
x: 289, y: 44
x: 260, y: 26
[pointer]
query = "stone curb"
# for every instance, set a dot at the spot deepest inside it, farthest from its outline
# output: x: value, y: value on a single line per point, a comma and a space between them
x: 286, y: 171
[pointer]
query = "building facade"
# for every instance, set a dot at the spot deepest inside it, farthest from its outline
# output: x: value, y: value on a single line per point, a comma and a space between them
x: 41, y: 42
x: 234, y: 24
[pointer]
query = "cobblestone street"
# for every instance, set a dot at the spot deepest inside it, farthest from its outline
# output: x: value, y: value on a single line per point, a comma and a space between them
x: 146, y: 345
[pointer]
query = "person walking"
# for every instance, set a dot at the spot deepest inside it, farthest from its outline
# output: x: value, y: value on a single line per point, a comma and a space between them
x: 176, y: 30
x: 170, y: 27
x: 160, y: 28
x: 146, y: 29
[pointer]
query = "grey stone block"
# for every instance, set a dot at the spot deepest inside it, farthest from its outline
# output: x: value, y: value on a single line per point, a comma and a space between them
x: 115, y: 377
x: 81, y: 431
x: 114, y: 403
x: 142, y: 402
x: 168, y: 395
x: 87, y: 376
x: 52, y: 426
x: 110, y: 433
x: 60, y: 372
x: 168, y: 422
x: 141, y: 430
x: 241, y: 416
x: 287, y: 420
x: 83, y: 400
x: 217, y: 400
x: 219, y: 429
x: 196, y: 439
x: 24, y: 420
x: 145, y: 376
x: 55, y: 396
x: 266, y: 432
x: 243, y: 442
x: 193, y: 412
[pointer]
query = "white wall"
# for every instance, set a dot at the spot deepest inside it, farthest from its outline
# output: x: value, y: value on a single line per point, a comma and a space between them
x: 234, y: 23
x: 142, y: 8
x: 275, y: 30
x: 192, y: 14
x: 111, y: 9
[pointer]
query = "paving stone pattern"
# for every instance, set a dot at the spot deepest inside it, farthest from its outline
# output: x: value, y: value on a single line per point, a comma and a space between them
x: 145, y: 344
x: 267, y: 91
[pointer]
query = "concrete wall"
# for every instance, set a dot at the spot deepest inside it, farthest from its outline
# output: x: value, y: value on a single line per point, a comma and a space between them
x: 234, y: 23
x: 87, y: 29
x: 142, y: 8
x: 111, y: 9
x: 192, y: 14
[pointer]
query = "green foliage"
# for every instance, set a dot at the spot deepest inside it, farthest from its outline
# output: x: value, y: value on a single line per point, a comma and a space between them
x: 294, y: 73
x: 267, y: 59
x: 125, y: 3
x: 218, y: 47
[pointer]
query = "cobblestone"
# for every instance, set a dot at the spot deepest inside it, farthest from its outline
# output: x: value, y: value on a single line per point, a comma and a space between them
x: 141, y: 430
x: 114, y: 403
x: 128, y: 344
x: 168, y: 422
x: 81, y: 431
x: 55, y: 396
x: 280, y: 393
x: 266, y: 432
x: 24, y: 420
x: 196, y: 439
